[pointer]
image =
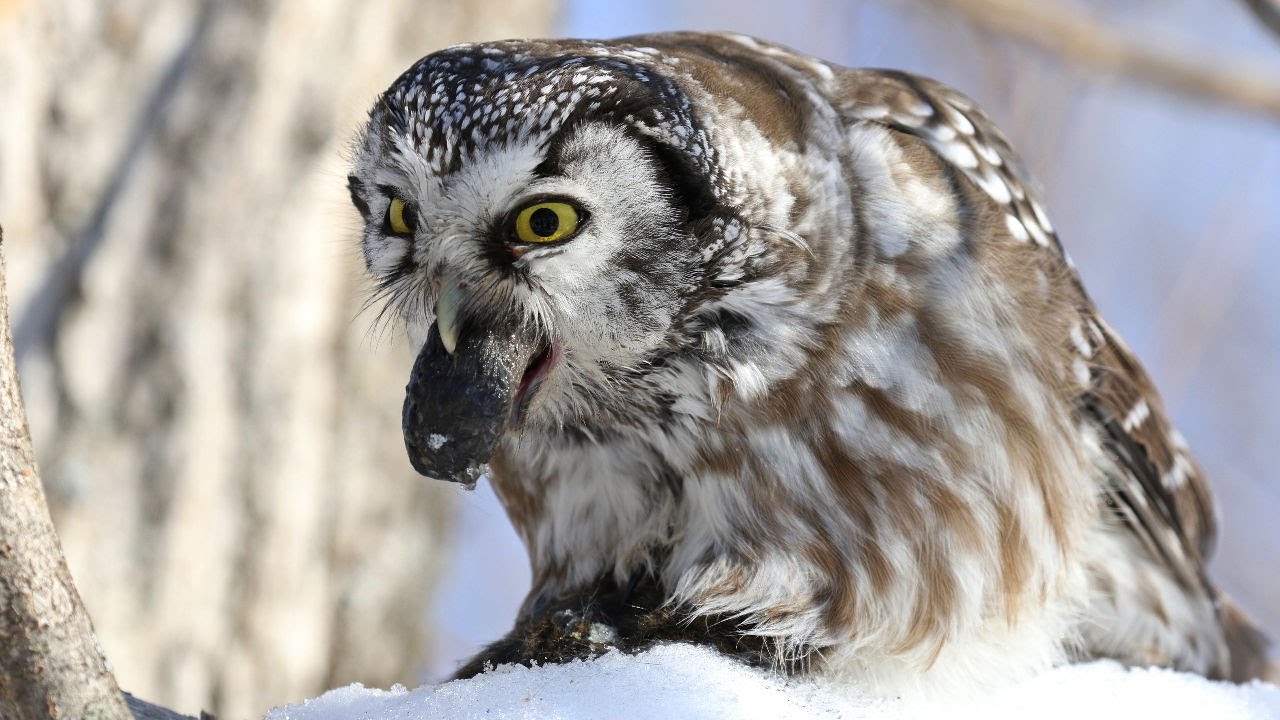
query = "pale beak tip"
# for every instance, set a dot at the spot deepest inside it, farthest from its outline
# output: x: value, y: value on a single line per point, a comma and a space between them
x: 449, y: 339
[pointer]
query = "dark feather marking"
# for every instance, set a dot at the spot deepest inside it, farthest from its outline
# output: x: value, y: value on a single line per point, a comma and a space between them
x: 356, y: 188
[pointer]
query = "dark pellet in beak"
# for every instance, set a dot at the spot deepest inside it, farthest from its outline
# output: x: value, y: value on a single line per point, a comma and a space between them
x: 456, y: 405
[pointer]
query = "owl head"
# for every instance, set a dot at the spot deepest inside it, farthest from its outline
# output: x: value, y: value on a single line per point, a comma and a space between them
x: 544, y: 216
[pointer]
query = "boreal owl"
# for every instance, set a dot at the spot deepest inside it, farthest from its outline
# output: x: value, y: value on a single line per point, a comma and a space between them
x: 782, y: 357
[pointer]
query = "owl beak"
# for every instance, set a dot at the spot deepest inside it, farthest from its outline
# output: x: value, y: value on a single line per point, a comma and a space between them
x: 463, y: 390
x: 447, y: 302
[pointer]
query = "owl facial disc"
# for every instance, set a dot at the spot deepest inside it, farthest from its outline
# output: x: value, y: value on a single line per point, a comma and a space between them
x: 458, y: 404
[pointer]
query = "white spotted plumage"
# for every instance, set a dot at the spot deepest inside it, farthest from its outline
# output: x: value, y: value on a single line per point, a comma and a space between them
x: 821, y: 372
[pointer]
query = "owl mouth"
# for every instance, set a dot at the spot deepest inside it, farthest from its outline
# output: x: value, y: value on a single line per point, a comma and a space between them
x: 531, y: 381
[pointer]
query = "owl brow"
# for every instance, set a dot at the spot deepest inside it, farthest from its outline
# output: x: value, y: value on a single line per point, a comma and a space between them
x: 390, y: 191
x: 550, y: 165
x: 693, y: 190
x: 356, y: 187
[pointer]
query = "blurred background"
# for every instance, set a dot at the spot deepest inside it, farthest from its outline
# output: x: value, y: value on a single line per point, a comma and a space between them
x: 218, y: 419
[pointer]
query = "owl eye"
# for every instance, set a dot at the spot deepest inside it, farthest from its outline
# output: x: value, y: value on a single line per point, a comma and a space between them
x: 545, y: 222
x: 401, y: 217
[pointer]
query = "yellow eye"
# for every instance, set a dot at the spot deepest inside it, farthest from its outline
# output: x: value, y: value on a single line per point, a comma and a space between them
x: 401, y: 218
x: 546, y: 222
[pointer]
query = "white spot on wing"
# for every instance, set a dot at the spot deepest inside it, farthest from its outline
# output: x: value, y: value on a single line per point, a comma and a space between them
x: 959, y: 154
x: 943, y: 133
x: 1140, y: 412
x: 992, y: 184
x: 1041, y: 217
x: 961, y: 122
x: 1080, y: 369
x: 920, y: 109
x: 1078, y: 339
x: 1016, y: 229
x: 988, y: 153
x: 1041, y: 239
x: 1178, y: 474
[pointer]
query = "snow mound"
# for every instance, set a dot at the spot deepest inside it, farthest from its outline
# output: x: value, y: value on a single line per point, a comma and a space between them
x: 682, y: 681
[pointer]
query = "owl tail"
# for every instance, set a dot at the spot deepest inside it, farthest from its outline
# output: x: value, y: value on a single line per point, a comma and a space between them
x: 1249, y: 647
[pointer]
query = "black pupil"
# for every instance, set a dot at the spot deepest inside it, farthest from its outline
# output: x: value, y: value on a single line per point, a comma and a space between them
x: 544, y: 222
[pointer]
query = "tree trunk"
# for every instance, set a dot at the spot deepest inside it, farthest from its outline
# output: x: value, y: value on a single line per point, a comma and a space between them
x: 52, y: 665
x: 217, y: 421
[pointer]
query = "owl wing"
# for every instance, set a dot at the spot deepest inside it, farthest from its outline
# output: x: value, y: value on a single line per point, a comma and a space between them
x: 1156, y: 485
x: 1152, y: 483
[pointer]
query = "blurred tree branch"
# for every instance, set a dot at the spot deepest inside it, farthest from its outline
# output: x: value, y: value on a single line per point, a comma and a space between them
x: 52, y: 665
x: 36, y: 326
x: 1267, y: 12
x: 1080, y: 40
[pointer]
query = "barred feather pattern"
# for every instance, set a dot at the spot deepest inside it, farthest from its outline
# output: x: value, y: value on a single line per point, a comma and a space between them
x: 826, y: 370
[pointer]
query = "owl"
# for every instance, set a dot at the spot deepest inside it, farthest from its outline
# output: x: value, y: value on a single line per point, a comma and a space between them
x: 780, y: 357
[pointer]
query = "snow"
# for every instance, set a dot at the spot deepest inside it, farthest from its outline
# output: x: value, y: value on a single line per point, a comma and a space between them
x: 682, y: 681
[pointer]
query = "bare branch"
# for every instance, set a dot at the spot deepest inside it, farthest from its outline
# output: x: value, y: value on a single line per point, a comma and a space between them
x: 39, y: 319
x: 1267, y: 12
x: 1080, y: 40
